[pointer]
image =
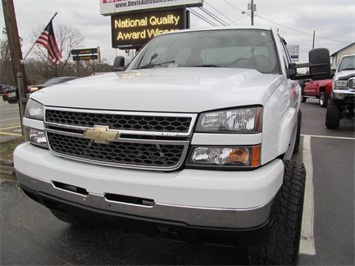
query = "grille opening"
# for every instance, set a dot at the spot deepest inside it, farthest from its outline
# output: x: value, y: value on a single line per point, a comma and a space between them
x: 71, y: 188
x: 70, y: 130
x: 143, y: 137
x: 120, y: 121
x: 129, y: 199
x: 138, y: 154
x: 150, y: 141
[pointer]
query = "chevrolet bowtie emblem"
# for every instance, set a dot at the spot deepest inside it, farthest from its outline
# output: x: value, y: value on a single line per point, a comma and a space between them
x: 101, y: 134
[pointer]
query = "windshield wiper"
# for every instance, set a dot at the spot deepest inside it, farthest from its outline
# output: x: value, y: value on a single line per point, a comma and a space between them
x: 150, y: 65
x: 154, y: 65
x: 207, y: 66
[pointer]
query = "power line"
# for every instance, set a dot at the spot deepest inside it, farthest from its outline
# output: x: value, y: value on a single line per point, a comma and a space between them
x: 301, y: 31
x: 286, y: 26
x: 202, y: 18
x: 213, y: 16
x: 220, y: 13
x: 233, y: 6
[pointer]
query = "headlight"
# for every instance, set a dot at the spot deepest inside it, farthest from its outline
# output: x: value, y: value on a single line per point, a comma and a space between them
x: 34, y: 110
x: 243, y: 120
x: 33, y: 89
x: 235, y: 156
x: 36, y: 137
x: 340, y: 84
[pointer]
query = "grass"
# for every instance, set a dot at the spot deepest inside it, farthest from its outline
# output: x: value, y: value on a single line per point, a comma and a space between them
x: 7, y: 148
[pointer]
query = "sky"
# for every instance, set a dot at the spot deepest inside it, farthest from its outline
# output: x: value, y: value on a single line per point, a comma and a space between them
x: 332, y: 21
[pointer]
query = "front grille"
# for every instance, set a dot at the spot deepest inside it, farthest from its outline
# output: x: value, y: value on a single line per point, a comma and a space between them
x: 160, y: 155
x: 120, y: 121
x: 153, y: 142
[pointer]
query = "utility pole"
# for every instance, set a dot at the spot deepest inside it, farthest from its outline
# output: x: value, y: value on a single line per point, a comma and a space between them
x: 15, y: 52
x: 252, y: 12
x: 252, y: 8
x: 314, y: 39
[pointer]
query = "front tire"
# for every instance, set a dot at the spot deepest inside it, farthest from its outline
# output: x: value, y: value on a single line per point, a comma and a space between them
x: 281, y: 245
x: 298, y: 134
x: 332, y: 118
x: 303, y: 98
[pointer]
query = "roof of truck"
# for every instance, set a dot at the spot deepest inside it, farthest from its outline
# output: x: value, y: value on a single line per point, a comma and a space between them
x: 220, y: 28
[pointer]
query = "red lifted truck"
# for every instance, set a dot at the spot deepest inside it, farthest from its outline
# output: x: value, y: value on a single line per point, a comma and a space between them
x: 320, y: 89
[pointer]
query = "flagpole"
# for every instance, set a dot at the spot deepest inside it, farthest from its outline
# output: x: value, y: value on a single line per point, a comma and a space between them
x: 55, y: 14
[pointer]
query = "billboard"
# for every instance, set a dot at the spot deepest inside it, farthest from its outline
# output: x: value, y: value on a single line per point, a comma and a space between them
x: 134, y: 30
x: 110, y: 7
x: 86, y: 54
x: 84, y: 51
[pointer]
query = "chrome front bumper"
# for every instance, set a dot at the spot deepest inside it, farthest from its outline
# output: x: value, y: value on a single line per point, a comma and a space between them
x: 144, y: 208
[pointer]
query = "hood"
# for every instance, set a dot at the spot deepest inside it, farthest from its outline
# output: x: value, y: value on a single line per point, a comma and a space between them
x: 164, y: 90
x: 344, y: 73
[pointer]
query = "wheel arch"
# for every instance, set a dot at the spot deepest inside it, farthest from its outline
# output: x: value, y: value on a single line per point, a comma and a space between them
x: 288, y: 134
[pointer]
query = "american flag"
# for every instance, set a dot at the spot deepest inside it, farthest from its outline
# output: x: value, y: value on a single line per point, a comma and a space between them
x: 48, y: 41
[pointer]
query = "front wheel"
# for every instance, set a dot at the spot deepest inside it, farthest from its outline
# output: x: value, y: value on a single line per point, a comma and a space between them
x: 332, y: 117
x: 303, y: 98
x: 281, y: 245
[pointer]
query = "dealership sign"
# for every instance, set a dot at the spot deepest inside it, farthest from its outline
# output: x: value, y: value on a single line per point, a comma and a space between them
x: 109, y: 7
x: 85, y: 54
x: 134, y: 30
x: 294, y: 52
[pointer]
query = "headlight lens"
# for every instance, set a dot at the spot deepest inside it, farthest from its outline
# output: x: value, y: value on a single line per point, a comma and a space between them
x: 33, y: 89
x: 340, y: 84
x: 244, y: 120
x: 34, y: 110
x: 36, y: 137
x: 212, y: 156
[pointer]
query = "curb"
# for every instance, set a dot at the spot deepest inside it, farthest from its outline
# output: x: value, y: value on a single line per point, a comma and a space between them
x: 7, y: 169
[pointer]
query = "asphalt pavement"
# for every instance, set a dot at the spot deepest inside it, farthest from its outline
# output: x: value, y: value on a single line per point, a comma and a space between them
x: 10, y: 127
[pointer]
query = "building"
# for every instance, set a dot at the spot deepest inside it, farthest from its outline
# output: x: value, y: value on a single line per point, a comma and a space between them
x: 350, y: 49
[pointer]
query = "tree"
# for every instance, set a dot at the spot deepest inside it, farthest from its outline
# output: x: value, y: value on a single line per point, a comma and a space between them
x: 6, y: 71
x: 68, y: 38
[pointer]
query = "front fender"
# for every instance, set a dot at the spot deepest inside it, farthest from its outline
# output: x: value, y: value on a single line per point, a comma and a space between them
x: 287, y: 133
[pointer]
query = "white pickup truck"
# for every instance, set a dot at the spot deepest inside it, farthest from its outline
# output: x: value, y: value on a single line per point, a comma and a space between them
x: 342, y: 97
x: 191, y: 142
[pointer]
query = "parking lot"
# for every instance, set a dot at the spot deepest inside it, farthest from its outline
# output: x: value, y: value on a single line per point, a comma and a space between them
x: 9, y: 121
x: 31, y: 235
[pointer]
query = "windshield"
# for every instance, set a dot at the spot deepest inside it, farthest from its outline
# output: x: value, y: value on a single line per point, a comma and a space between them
x: 252, y: 49
x: 347, y: 63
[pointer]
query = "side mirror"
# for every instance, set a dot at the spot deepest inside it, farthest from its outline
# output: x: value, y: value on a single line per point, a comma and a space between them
x: 319, y: 66
x: 119, y: 63
x: 320, y: 63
